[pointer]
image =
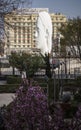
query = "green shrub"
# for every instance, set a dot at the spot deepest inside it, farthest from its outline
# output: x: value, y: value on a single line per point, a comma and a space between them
x: 69, y: 109
x: 13, y: 80
x: 78, y: 81
x: 9, y: 88
x: 78, y: 78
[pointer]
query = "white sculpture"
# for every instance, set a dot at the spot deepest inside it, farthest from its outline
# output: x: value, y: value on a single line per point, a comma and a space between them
x: 44, y: 33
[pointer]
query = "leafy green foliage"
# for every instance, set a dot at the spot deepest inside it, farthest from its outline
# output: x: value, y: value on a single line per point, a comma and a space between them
x: 26, y: 62
x: 9, y: 88
x: 13, y: 80
x: 71, y: 33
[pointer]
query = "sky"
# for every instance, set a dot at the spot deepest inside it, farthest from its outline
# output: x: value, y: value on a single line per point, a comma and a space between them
x: 69, y: 8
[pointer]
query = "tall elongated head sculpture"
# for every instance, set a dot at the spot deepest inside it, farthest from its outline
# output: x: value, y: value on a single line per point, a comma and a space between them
x: 44, y: 33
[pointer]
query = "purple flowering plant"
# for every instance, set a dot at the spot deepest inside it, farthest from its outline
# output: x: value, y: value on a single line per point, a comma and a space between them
x: 30, y: 111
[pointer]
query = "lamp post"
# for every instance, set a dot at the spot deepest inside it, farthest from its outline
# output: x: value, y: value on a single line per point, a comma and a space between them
x: 47, y: 79
x: 61, y: 85
x: 54, y: 76
x: 0, y: 65
x: 54, y: 85
x: 69, y: 55
x: 61, y: 79
x: 65, y: 61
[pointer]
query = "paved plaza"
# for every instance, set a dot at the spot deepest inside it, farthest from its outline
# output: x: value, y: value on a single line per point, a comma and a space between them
x: 6, y: 98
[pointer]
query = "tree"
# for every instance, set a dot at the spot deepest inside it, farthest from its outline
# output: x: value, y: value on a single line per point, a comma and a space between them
x: 6, y: 7
x: 26, y: 62
x: 71, y: 36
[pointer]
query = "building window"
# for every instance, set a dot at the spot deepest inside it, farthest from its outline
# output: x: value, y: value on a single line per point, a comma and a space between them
x: 8, y: 40
x: 19, y: 18
x: 34, y: 18
x: 34, y: 45
x: 28, y: 41
x: 23, y: 40
x: 14, y: 18
x: 19, y: 41
x: 29, y: 18
x: 19, y: 36
x: 23, y: 23
x: 34, y: 41
x: 8, y: 19
x: 15, y: 40
x: 56, y: 18
x: 19, y: 24
x: 28, y: 45
x: 28, y: 36
x: 23, y: 29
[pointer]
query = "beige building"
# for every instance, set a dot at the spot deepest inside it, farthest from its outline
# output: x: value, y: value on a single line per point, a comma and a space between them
x: 20, y: 28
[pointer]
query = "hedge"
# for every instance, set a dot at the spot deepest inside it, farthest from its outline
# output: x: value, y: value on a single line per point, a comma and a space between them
x: 13, y: 80
x: 9, y: 88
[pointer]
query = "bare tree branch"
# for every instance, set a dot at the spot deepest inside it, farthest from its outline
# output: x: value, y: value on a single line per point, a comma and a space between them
x: 6, y: 7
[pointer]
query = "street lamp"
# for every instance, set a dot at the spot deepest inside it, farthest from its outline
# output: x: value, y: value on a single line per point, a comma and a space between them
x: 61, y: 82
x: 69, y: 55
x: 47, y: 79
x: 54, y: 82
x: 0, y: 65
x: 53, y: 76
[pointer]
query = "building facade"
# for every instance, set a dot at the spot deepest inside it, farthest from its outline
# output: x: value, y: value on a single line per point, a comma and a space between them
x: 20, y: 29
